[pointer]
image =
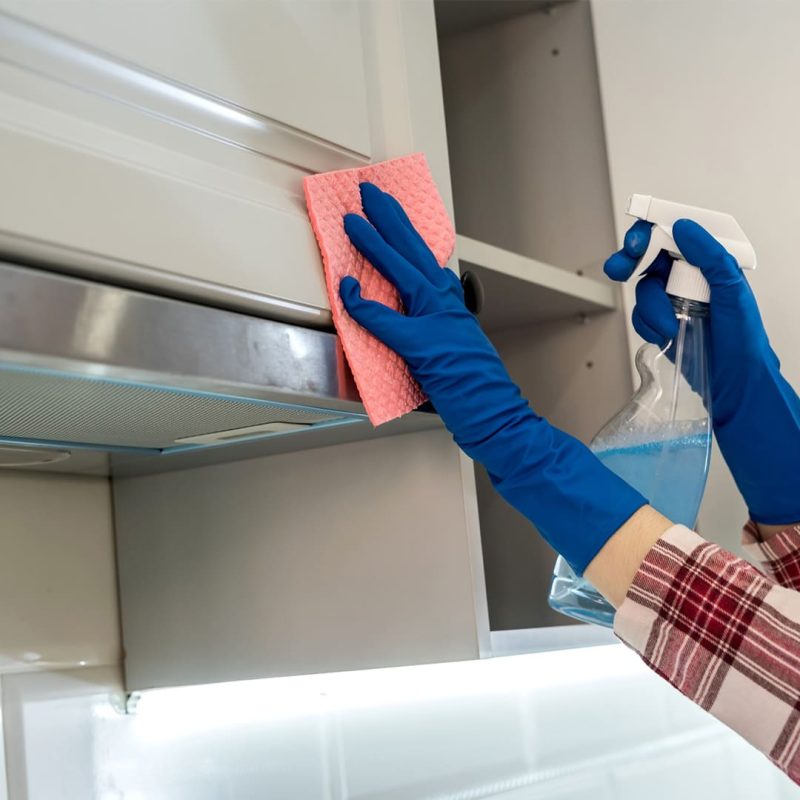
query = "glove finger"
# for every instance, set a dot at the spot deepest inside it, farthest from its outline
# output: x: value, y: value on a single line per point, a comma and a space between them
x: 637, y: 238
x: 621, y: 265
x: 382, y: 322
x: 654, y: 307
x: 393, y: 224
x: 401, y: 212
x: 645, y: 331
x: 408, y: 280
x: 700, y: 248
x: 441, y: 276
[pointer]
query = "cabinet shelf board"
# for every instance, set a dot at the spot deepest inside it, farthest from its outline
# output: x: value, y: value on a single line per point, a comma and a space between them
x: 523, y: 291
x: 458, y: 16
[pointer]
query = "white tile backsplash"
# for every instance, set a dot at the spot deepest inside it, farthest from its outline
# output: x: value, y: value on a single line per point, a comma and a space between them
x: 591, y: 723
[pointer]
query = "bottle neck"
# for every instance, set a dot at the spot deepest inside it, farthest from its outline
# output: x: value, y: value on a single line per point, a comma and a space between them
x: 689, y: 308
x: 686, y: 280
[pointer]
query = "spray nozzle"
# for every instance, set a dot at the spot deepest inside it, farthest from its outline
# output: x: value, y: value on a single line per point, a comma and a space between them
x: 686, y: 280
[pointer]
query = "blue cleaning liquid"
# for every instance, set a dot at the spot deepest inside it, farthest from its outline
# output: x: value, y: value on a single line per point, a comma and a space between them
x: 671, y: 473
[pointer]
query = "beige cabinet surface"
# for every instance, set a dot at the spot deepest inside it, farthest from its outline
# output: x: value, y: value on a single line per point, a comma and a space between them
x: 163, y: 145
x: 298, y: 62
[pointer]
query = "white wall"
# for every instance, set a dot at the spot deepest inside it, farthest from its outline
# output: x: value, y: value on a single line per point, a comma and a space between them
x: 700, y: 105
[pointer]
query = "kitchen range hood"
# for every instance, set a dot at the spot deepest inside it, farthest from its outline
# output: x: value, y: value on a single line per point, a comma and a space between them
x: 100, y: 378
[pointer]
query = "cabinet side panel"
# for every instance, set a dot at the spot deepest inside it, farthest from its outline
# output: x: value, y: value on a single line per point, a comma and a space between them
x: 58, y: 596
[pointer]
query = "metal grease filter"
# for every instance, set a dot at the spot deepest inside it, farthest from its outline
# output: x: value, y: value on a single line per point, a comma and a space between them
x: 56, y: 407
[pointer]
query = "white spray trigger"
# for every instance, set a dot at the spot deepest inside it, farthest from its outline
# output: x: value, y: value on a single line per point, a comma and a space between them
x: 660, y: 239
x: 685, y: 280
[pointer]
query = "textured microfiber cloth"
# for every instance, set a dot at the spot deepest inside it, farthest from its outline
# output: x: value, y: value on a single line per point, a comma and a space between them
x: 384, y: 382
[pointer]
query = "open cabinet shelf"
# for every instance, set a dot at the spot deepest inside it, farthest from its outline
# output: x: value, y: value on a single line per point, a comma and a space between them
x: 522, y: 291
x: 457, y: 16
x: 529, y: 173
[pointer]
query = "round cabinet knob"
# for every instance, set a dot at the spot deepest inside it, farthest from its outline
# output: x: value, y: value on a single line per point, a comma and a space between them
x: 473, y: 292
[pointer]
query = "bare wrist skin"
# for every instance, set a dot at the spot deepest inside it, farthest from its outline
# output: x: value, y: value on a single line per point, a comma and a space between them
x: 613, y: 569
x: 766, y: 532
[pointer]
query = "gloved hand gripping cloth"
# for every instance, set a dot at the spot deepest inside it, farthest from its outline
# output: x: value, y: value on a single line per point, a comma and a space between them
x: 575, y: 502
x: 386, y: 387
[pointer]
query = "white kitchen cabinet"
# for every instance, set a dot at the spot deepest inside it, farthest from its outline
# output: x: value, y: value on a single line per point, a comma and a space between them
x: 377, y: 553
x: 361, y: 555
x: 163, y: 145
x: 122, y: 161
x: 370, y: 554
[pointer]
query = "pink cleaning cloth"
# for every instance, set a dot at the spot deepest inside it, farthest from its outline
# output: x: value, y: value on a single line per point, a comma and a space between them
x: 386, y: 387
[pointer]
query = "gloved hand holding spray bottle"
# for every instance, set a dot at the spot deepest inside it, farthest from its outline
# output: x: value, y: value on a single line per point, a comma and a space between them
x: 660, y: 442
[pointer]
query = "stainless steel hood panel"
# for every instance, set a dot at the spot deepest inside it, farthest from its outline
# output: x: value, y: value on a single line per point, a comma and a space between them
x: 87, y: 366
x: 55, y: 321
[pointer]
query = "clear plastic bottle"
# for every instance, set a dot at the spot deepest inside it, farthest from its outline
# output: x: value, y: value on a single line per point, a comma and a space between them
x: 660, y: 443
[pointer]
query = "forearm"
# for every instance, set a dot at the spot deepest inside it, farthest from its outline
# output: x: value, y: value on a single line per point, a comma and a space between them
x: 613, y: 569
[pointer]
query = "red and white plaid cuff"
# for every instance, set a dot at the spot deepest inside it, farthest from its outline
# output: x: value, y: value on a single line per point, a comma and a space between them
x: 723, y: 634
x: 779, y: 557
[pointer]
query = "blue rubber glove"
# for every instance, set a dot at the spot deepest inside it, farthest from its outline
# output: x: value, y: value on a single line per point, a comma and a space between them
x: 555, y: 481
x: 755, y: 412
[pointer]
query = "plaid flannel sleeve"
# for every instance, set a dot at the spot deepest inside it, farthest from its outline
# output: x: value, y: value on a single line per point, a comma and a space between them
x: 779, y: 557
x: 723, y: 634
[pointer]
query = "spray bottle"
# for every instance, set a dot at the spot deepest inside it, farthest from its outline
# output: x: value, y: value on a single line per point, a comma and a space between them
x: 660, y: 443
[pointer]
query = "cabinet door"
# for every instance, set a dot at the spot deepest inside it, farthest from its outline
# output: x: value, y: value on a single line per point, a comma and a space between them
x: 298, y: 62
x: 164, y: 144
